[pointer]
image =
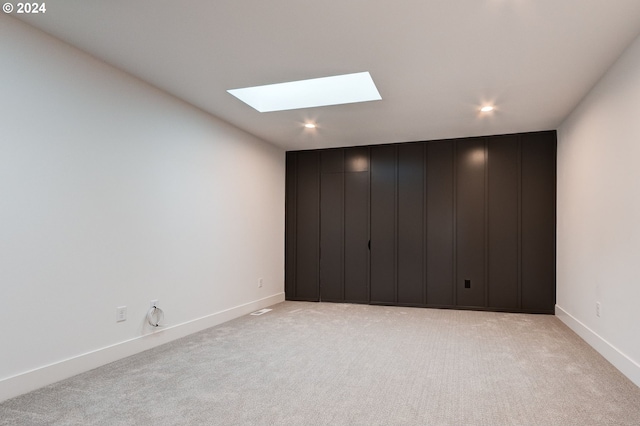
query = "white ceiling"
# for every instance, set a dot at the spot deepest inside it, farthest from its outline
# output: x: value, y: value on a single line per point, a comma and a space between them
x: 435, y: 62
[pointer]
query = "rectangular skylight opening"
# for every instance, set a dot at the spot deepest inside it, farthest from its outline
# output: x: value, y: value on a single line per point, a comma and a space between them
x: 316, y: 92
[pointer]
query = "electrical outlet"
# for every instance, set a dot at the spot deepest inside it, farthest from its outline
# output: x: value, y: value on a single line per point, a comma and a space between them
x: 153, y: 303
x: 121, y: 313
x: 259, y: 282
x: 598, y: 309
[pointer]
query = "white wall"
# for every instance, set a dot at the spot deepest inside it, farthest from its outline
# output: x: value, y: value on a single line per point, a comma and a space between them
x: 598, y: 241
x: 115, y: 193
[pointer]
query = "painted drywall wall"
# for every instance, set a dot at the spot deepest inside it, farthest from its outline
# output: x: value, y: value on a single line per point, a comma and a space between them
x: 598, y: 228
x: 113, y: 193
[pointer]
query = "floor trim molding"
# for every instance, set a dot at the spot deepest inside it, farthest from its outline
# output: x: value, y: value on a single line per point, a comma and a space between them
x: 622, y: 362
x: 48, y: 374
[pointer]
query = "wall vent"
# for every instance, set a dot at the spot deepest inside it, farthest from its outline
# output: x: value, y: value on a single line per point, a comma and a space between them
x: 260, y: 312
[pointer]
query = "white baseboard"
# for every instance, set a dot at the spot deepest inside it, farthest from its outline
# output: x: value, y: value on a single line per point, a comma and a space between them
x: 622, y: 362
x: 46, y: 375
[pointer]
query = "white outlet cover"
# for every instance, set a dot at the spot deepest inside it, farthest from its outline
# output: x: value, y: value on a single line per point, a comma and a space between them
x: 121, y: 313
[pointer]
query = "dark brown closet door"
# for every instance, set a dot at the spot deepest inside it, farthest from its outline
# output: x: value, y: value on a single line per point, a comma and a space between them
x: 332, y: 226
x: 290, y: 225
x: 538, y: 221
x: 307, y: 224
x: 470, y: 222
x: 356, y: 231
x: 411, y: 288
x: 383, y: 224
x: 503, y: 222
x: 440, y: 224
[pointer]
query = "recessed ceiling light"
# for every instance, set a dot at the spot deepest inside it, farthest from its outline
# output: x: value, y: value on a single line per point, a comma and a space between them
x: 310, y: 126
x: 486, y: 108
x: 336, y: 90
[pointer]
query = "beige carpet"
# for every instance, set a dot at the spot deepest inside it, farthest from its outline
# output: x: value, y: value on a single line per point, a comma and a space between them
x: 341, y: 364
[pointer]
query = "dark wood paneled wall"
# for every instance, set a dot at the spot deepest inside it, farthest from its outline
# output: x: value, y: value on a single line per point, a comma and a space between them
x: 466, y: 223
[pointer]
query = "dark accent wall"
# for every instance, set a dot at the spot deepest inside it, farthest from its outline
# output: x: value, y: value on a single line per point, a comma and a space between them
x: 466, y: 223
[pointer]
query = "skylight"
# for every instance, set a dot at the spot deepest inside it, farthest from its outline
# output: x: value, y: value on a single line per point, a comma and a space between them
x: 336, y: 90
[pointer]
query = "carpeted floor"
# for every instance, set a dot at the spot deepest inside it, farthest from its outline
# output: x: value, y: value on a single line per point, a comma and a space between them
x: 341, y: 364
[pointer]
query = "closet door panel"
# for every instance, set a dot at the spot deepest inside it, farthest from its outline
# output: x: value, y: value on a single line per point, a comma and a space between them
x: 356, y: 224
x: 440, y: 224
x: 470, y: 222
x: 383, y: 224
x: 538, y: 221
x: 411, y: 224
x: 308, y: 226
x: 503, y: 247
x: 290, y: 225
